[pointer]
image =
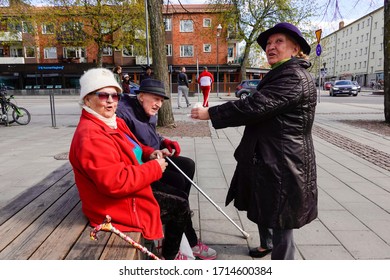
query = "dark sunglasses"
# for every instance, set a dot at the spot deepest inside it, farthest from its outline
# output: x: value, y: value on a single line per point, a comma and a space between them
x: 103, y: 96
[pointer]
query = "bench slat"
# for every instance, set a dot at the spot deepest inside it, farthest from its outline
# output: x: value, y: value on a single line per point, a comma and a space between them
x: 58, y: 244
x: 119, y: 249
x: 32, y: 193
x: 29, y: 240
x: 21, y: 220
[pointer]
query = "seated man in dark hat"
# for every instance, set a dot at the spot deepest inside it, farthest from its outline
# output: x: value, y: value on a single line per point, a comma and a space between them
x: 139, y: 114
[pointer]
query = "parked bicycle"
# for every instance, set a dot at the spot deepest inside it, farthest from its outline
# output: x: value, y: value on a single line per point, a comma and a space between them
x: 10, y: 112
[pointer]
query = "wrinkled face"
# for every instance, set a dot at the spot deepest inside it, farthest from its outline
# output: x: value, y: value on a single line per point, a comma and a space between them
x: 150, y: 102
x: 280, y: 46
x: 104, y: 101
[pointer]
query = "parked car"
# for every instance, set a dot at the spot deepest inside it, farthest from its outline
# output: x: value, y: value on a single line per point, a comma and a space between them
x: 343, y: 87
x: 246, y: 88
x: 357, y: 84
x: 327, y: 85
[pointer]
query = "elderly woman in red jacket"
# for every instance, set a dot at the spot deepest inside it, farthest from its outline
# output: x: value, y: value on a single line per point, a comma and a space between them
x: 275, y: 179
x: 113, y: 170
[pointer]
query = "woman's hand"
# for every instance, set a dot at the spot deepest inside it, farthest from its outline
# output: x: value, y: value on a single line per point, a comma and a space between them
x: 163, y: 163
x: 160, y: 154
x: 200, y: 113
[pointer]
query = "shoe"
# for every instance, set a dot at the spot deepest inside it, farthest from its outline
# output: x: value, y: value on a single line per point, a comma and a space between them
x: 254, y: 253
x: 180, y: 257
x: 189, y: 104
x: 204, y: 252
x: 178, y: 107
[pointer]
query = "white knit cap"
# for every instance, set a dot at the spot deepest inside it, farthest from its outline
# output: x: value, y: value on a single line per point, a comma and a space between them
x: 95, y: 79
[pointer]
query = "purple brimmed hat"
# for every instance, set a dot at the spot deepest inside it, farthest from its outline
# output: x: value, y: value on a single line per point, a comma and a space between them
x: 285, y: 28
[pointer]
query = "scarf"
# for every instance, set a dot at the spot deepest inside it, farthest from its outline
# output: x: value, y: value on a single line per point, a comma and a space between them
x: 111, y: 122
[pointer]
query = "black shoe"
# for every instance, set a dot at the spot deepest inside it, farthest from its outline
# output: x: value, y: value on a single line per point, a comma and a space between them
x: 254, y: 253
x: 189, y: 104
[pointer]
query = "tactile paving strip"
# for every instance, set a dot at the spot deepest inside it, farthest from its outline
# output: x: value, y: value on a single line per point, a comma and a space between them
x: 368, y: 153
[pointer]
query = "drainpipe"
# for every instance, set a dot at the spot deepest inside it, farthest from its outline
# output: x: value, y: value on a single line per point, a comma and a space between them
x: 369, y: 45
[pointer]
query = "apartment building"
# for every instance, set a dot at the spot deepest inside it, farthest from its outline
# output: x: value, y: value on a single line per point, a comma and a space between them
x: 195, y: 37
x: 355, y: 51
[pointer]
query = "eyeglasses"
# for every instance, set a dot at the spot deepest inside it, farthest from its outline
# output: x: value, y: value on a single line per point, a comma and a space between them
x: 103, y: 96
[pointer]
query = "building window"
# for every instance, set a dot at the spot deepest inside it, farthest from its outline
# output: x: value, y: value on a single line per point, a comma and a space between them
x: 16, y: 52
x: 186, y: 51
x: 380, y: 62
x: 107, y: 51
x: 206, y: 22
x: 128, y: 51
x: 373, y: 55
x: 74, y: 52
x: 48, y: 28
x: 168, y: 48
x: 50, y: 53
x: 27, y: 27
x: 230, y: 52
x: 167, y: 24
x: 206, y: 48
x: 186, y: 26
x: 29, y: 51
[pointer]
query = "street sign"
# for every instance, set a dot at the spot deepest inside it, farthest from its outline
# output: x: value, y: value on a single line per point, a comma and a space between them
x: 318, y: 35
x: 318, y: 50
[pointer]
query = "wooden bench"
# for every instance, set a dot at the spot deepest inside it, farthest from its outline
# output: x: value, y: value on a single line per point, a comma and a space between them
x: 46, y: 222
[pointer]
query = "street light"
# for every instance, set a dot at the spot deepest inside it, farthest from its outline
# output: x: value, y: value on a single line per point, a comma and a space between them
x: 219, y: 28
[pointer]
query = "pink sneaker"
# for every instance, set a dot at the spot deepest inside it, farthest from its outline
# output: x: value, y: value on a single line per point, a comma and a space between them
x: 202, y: 251
x: 181, y: 257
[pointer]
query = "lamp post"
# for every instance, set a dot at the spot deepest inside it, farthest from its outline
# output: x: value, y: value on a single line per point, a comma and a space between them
x: 219, y: 28
x: 147, y: 32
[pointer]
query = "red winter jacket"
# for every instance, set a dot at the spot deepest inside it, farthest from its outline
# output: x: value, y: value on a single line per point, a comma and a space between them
x: 110, y: 180
x: 205, y: 79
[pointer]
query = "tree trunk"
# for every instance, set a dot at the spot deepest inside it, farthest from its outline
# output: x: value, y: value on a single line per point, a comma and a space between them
x: 244, y: 61
x: 386, y: 68
x: 160, y: 64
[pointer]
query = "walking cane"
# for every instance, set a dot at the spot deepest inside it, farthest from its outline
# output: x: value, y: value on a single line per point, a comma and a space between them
x: 245, y: 234
x: 107, y: 226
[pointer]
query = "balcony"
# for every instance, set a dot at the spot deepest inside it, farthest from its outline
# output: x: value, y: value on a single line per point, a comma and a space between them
x: 11, y: 60
x: 10, y: 37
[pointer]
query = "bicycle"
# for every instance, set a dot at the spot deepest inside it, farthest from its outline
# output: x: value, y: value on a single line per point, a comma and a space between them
x: 19, y: 115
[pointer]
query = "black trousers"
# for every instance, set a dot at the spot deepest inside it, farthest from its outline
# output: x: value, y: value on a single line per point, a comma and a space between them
x: 174, y: 178
x: 175, y: 214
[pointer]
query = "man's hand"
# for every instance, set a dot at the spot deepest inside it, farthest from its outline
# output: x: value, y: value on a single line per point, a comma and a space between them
x: 172, y: 145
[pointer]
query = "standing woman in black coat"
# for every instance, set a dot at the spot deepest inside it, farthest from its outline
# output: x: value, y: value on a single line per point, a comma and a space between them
x: 275, y: 179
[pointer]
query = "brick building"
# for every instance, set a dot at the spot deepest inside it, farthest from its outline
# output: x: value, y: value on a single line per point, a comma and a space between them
x: 195, y: 37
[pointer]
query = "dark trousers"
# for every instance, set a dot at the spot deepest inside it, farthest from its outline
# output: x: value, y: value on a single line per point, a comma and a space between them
x: 174, y: 178
x: 175, y: 215
x: 281, y: 241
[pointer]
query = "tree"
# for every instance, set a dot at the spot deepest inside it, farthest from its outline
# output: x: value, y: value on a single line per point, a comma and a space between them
x: 386, y: 44
x: 111, y: 24
x: 251, y: 17
x: 160, y: 64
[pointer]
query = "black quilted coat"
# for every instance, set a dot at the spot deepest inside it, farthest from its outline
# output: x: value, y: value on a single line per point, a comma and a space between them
x: 275, y: 178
